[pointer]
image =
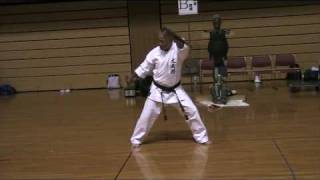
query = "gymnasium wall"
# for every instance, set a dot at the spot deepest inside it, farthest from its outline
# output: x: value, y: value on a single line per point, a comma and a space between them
x: 144, y: 25
x: 76, y: 44
x: 63, y: 45
x: 259, y: 27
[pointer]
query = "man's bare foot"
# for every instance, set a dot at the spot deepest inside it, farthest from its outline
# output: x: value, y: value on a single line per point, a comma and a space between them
x: 207, y: 143
x: 135, y: 147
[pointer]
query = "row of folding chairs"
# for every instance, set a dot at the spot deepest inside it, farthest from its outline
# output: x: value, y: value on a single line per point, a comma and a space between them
x: 261, y: 64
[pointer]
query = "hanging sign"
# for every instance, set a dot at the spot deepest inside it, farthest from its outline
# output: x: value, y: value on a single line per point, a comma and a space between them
x: 187, y: 7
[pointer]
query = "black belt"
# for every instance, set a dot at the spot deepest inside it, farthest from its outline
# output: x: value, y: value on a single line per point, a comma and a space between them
x: 170, y: 89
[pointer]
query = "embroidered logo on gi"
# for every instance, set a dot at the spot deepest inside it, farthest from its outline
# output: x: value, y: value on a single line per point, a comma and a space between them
x: 173, y: 66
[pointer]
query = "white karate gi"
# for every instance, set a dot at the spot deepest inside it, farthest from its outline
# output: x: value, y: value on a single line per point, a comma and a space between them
x: 165, y: 66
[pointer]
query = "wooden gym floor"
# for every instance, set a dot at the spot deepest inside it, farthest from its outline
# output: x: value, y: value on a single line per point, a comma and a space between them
x: 85, y: 135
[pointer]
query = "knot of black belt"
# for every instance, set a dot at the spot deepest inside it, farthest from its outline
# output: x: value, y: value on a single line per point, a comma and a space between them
x: 169, y: 90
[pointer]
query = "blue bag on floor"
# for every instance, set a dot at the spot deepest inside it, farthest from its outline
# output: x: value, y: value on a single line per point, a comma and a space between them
x: 7, y: 90
x: 310, y: 75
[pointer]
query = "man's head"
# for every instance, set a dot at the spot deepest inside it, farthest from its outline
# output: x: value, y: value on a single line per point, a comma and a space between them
x: 165, y: 39
x: 216, y: 21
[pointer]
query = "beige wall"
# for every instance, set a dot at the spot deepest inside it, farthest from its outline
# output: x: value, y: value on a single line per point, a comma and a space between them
x: 63, y: 45
x: 144, y: 25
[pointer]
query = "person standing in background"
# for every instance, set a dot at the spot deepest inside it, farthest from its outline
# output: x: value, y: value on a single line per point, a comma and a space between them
x: 218, y: 48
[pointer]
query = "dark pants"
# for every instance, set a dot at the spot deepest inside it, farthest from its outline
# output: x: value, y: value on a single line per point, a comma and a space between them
x: 219, y: 67
x: 220, y: 91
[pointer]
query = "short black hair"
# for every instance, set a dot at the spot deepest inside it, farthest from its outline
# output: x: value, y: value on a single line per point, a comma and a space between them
x: 167, y: 31
x: 216, y: 17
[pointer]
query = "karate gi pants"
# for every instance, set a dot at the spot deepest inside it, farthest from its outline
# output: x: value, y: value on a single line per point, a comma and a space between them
x: 151, y: 112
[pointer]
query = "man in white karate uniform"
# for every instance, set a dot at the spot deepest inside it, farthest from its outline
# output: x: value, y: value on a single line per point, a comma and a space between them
x: 164, y: 63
